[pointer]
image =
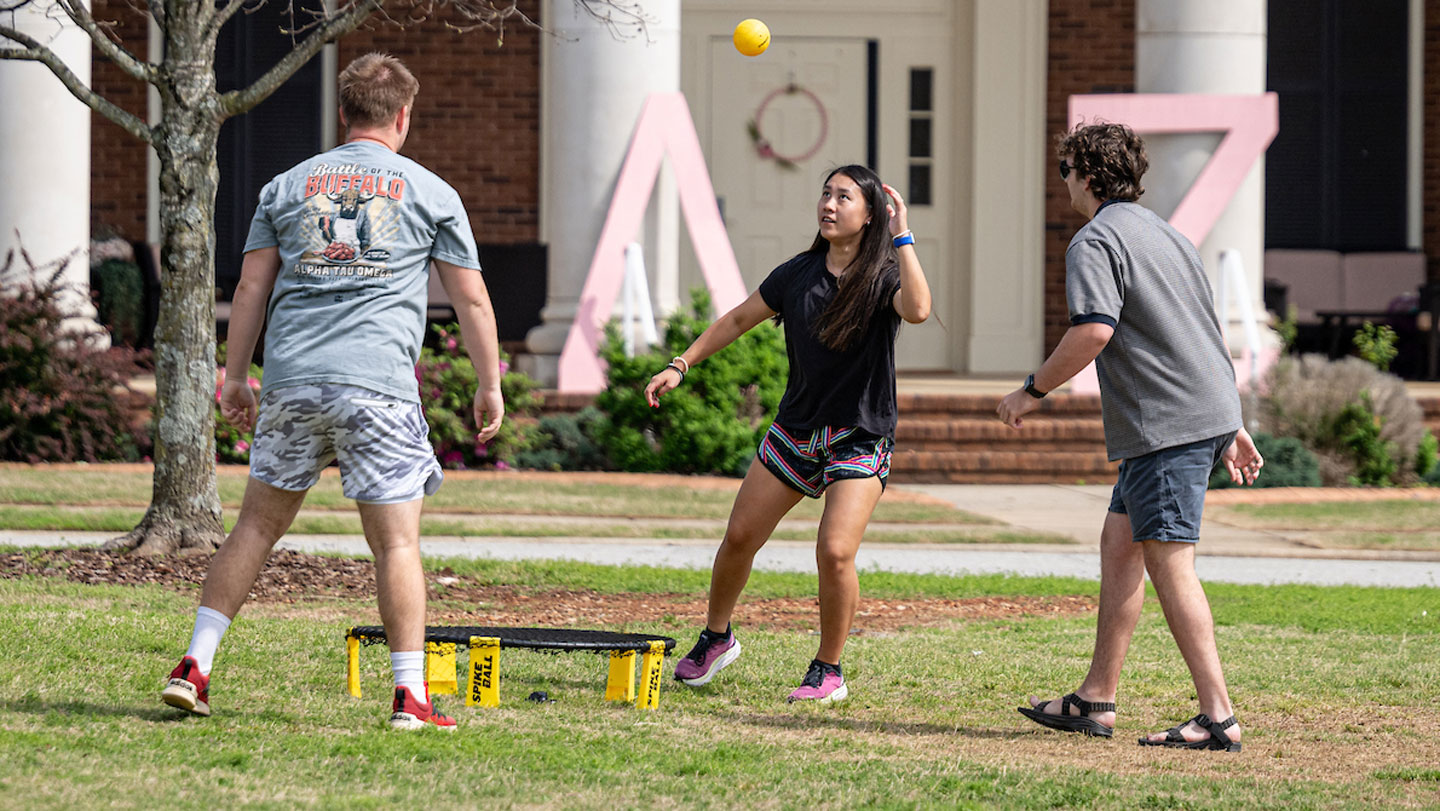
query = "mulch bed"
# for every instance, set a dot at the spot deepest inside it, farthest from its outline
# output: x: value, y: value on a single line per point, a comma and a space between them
x: 296, y: 577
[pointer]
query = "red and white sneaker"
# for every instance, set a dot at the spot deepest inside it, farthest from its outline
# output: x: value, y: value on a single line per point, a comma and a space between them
x: 409, y: 713
x: 188, y: 688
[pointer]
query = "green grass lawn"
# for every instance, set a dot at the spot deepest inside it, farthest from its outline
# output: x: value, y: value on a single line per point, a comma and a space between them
x: 1335, y: 688
x: 487, y: 496
x: 1397, y: 524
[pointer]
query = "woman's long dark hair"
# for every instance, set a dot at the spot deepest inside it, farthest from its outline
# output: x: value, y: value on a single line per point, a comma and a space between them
x: 862, y: 283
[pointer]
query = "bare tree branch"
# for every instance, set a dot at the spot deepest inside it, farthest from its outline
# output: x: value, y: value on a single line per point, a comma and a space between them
x: 239, y: 101
x: 112, y: 50
x: 157, y: 12
x: 624, y: 18
x: 223, y: 14
x: 35, y: 52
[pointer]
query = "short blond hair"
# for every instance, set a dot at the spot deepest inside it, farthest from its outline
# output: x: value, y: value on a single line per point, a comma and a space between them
x: 373, y: 88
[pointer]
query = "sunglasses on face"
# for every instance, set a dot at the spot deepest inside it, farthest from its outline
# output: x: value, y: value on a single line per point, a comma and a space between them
x: 1065, y: 168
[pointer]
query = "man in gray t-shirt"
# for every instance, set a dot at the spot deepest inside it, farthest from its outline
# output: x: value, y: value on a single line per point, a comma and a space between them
x: 341, y: 247
x: 1141, y: 307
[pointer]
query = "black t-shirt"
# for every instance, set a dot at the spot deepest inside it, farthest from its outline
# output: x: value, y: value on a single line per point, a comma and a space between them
x: 825, y: 387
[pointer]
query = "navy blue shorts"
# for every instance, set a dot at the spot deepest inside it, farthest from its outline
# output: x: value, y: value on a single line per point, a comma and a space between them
x: 1164, y: 492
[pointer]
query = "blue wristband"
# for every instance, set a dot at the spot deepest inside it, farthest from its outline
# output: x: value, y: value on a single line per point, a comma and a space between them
x: 907, y: 239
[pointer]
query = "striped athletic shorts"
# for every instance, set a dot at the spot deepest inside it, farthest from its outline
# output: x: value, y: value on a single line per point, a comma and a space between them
x: 809, y: 461
x: 381, y: 444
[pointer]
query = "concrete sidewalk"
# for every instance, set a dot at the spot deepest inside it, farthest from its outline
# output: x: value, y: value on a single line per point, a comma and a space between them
x: 1078, y: 512
x: 1032, y: 560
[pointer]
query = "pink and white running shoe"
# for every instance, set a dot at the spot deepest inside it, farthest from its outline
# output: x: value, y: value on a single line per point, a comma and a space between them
x: 822, y: 684
x: 712, y: 653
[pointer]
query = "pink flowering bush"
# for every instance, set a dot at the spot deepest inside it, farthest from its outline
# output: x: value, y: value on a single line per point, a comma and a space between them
x: 447, y: 389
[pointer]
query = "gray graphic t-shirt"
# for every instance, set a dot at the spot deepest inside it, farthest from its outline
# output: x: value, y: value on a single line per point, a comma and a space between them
x: 1166, y: 378
x: 356, y: 228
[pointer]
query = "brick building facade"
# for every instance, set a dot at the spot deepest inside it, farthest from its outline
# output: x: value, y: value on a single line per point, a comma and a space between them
x: 477, y: 121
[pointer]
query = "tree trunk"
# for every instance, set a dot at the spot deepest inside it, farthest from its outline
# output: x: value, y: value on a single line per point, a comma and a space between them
x: 184, y: 513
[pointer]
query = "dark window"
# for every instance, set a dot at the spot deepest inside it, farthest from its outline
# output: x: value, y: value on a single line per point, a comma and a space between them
x: 277, y: 134
x: 920, y: 138
x: 919, y: 185
x: 1335, y: 177
x: 921, y: 152
x: 921, y: 89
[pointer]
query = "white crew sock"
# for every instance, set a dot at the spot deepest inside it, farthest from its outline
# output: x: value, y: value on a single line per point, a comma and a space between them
x: 409, y: 669
x: 210, y: 627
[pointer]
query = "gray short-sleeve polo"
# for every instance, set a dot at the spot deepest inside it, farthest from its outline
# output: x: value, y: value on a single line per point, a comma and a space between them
x: 1166, y: 377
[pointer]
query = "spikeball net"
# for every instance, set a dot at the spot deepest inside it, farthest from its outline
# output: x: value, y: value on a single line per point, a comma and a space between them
x: 484, y: 643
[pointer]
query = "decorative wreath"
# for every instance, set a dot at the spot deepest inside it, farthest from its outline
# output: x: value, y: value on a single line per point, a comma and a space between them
x: 763, y: 147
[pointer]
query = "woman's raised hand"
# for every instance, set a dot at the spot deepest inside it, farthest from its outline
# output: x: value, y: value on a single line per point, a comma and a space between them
x: 898, y: 213
x: 667, y: 379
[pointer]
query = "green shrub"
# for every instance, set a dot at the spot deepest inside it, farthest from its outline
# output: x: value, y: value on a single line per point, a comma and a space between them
x: 713, y: 421
x: 119, y: 292
x: 1376, y: 345
x: 1288, y: 329
x: 1357, y: 430
x: 1348, y: 414
x: 447, y: 389
x: 564, y: 442
x: 1427, y: 455
x: 1287, y: 464
x: 61, y: 398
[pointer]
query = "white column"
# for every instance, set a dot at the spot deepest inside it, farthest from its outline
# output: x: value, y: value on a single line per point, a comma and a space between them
x: 1007, y: 251
x: 1205, y: 46
x: 593, y: 86
x: 45, y: 160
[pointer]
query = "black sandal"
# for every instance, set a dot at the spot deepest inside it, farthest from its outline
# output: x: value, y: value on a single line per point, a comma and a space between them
x: 1218, y: 740
x: 1065, y: 722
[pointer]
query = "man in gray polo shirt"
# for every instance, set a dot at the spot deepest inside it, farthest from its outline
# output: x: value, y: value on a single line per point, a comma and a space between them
x: 1142, y: 308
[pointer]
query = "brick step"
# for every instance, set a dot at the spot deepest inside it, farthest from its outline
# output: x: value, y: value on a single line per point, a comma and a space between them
x: 1001, y: 467
x: 981, y: 406
x: 969, y: 429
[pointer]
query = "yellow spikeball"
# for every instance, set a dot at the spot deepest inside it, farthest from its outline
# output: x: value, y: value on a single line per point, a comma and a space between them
x: 751, y: 37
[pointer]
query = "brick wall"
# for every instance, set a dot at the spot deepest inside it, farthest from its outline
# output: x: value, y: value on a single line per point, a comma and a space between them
x: 477, y: 118
x: 1092, y: 50
x: 117, y: 158
x: 477, y: 121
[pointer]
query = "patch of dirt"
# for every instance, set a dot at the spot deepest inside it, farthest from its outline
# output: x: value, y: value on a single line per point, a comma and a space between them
x: 292, y: 577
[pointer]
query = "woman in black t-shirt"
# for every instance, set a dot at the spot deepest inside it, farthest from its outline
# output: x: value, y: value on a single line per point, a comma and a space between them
x: 841, y: 303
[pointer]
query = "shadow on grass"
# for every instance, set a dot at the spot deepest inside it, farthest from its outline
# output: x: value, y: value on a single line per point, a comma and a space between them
x: 84, y: 709
x: 817, y: 721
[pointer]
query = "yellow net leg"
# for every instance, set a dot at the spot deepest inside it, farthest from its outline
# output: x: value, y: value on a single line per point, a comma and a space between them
x: 620, y: 686
x: 440, y: 668
x: 352, y: 664
x: 651, y: 667
x: 484, y: 686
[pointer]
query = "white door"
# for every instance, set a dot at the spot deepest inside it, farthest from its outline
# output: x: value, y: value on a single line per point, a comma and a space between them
x: 769, y: 206
x: 769, y: 200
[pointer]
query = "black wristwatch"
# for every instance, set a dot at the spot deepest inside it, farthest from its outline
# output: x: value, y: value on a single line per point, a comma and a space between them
x: 1032, y: 391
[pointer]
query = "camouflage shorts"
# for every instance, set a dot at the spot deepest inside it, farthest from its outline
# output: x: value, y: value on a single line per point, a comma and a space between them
x: 382, y: 444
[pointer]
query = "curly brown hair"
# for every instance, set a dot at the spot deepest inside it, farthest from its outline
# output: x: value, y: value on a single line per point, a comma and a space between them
x: 1111, y: 155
